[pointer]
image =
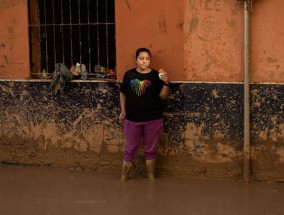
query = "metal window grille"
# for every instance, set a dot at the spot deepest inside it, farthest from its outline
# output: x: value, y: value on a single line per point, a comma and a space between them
x: 70, y: 32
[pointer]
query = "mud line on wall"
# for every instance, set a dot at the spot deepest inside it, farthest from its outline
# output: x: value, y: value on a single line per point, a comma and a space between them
x: 69, y: 123
x: 203, y: 132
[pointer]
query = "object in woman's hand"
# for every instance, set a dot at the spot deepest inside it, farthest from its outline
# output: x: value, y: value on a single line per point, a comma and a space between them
x: 161, y: 73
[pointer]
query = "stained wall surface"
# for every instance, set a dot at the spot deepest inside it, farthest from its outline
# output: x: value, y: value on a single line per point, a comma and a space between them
x: 213, y: 41
x: 80, y: 128
x: 267, y: 41
x: 14, y: 47
x: 203, y: 129
x: 199, y: 42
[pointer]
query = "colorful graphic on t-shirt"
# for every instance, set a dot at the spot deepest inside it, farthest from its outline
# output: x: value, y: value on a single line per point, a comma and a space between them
x: 139, y: 86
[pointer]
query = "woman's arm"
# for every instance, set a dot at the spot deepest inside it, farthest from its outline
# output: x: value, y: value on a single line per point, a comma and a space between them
x: 122, y: 99
x: 165, y: 90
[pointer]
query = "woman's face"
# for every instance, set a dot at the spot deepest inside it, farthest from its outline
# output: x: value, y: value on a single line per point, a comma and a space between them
x: 143, y: 60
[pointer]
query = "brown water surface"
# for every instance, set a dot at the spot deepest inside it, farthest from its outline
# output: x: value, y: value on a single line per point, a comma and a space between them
x: 40, y: 191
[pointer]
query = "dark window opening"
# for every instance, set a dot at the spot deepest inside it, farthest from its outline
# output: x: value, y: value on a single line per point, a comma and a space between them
x: 70, y: 32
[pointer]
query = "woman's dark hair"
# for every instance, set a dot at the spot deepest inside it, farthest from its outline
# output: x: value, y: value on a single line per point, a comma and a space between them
x: 138, y: 51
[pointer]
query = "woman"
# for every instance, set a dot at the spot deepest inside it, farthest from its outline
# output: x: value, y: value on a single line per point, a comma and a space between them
x: 141, y: 100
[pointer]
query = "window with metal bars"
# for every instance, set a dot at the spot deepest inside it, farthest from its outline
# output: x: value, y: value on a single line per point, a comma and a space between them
x: 70, y: 32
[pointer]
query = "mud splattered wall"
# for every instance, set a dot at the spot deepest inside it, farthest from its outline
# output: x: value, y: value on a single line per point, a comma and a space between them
x: 80, y: 129
x: 74, y: 129
x: 267, y: 131
x: 195, y: 40
x: 203, y: 134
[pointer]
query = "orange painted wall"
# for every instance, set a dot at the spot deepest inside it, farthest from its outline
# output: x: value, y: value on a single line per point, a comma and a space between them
x: 213, y: 33
x: 14, y: 47
x: 194, y: 40
x: 211, y: 45
x: 157, y: 25
x: 267, y: 41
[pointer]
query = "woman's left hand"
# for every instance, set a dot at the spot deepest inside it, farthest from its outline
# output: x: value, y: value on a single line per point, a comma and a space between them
x: 163, y: 76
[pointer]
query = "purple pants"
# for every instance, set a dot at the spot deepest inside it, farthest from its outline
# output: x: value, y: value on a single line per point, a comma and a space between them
x: 134, y: 132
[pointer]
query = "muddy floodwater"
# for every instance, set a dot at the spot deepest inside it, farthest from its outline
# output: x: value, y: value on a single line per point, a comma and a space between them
x: 35, y: 190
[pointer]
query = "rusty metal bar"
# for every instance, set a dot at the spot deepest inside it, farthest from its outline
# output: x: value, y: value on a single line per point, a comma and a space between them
x: 70, y: 21
x: 89, y: 39
x: 98, y: 35
x: 106, y: 2
x: 46, y: 37
x: 46, y: 25
x: 62, y: 34
x: 39, y: 37
x: 54, y: 42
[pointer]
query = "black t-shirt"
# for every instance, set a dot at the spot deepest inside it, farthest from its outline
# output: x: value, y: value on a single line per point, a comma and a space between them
x: 142, y: 95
